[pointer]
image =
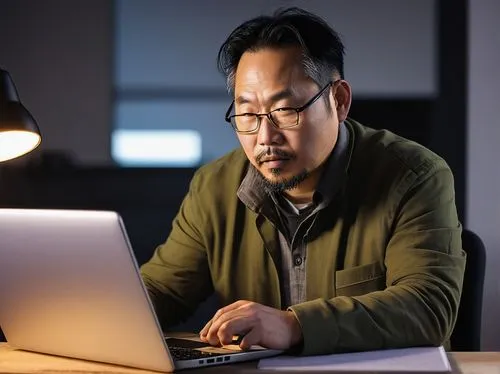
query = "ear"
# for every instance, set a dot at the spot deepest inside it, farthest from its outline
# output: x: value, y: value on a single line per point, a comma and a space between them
x: 343, y: 97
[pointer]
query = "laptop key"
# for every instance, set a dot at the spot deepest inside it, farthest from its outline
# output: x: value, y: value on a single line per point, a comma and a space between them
x: 181, y: 353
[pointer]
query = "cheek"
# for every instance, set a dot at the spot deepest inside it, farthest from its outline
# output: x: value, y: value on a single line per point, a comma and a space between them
x: 248, y: 144
x: 315, y: 144
x: 305, y: 149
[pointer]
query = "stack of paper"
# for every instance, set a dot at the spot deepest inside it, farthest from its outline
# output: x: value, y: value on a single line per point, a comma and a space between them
x: 420, y: 359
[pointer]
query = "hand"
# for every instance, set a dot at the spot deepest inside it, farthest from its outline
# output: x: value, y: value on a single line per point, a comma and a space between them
x: 262, y: 325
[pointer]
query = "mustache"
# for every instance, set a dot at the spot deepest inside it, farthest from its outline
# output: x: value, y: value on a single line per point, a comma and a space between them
x: 272, y: 153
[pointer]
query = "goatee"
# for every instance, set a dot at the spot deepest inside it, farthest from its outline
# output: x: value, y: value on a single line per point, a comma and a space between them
x: 281, y: 184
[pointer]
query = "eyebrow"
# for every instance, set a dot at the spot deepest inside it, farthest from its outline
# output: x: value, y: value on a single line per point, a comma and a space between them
x: 280, y: 95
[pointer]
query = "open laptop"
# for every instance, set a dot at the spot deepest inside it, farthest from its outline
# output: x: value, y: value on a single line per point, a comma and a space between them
x: 70, y: 286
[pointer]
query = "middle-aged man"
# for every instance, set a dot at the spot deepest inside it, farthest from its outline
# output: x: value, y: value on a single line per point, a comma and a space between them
x: 319, y: 234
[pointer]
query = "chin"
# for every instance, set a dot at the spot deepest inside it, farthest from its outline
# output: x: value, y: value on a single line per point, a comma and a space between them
x: 277, y: 174
x: 280, y: 181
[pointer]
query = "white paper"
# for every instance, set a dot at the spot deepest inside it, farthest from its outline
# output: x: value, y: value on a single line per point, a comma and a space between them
x: 421, y: 359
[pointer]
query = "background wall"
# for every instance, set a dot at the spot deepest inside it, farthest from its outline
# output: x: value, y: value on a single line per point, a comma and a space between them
x: 383, y: 43
x: 59, y: 54
x: 70, y: 71
x: 483, y: 152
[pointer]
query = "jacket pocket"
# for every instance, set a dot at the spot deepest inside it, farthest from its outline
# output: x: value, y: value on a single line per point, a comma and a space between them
x: 360, y: 280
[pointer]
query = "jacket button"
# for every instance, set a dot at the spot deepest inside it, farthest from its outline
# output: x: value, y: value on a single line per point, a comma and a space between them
x: 297, y: 260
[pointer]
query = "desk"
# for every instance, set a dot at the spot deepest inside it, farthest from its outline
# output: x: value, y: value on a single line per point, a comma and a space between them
x: 14, y: 361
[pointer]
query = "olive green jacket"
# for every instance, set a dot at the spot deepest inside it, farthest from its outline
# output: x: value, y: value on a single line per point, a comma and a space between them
x: 384, y: 262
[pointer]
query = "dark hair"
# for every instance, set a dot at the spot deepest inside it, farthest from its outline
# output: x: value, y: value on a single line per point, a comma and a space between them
x: 322, y: 48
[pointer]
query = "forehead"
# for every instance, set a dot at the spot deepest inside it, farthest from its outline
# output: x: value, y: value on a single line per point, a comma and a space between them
x: 269, y: 66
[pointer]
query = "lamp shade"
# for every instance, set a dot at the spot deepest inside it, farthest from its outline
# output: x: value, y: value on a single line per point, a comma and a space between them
x: 19, y: 132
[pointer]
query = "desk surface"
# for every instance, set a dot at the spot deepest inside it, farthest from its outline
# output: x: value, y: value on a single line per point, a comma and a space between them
x: 17, y: 361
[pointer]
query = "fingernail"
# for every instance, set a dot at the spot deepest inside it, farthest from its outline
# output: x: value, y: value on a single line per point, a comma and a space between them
x: 236, y: 339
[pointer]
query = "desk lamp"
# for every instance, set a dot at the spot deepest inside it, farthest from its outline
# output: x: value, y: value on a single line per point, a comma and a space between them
x: 19, y: 133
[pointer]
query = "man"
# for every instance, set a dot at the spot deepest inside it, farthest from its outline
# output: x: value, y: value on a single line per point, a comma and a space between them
x: 319, y: 235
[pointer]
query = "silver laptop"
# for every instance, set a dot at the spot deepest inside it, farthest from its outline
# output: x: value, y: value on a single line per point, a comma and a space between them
x: 70, y: 286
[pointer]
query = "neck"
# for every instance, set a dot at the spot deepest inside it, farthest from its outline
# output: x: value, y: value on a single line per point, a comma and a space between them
x: 300, y: 198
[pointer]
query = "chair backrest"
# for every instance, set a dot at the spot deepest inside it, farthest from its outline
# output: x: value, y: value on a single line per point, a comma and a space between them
x: 467, y: 333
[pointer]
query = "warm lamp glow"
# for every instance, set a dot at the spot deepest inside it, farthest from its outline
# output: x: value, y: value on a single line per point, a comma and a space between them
x: 17, y: 143
x: 19, y: 132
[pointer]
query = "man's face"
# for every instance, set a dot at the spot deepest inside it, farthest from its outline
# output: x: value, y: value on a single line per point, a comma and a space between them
x: 274, y: 78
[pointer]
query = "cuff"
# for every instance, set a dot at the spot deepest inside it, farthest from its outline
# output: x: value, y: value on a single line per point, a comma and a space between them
x: 319, y: 327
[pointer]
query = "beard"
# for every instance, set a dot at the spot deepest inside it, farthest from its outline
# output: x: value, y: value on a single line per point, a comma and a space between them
x: 278, y: 185
x: 281, y: 184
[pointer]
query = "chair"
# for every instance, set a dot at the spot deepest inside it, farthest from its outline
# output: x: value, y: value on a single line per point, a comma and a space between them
x: 467, y: 333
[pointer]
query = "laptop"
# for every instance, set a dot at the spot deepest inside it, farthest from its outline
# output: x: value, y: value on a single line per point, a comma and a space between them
x: 70, y: 286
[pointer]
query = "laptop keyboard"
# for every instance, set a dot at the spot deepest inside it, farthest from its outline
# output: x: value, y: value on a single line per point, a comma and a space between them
x: 183, y: 349
x: 179, y: 353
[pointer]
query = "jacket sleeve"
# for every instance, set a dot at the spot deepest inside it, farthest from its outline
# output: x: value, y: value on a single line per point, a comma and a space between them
x: 177, y: 276
x: 424, y: 264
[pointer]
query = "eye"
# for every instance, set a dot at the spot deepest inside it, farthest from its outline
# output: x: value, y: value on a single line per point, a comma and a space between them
x: 284, y: 109
x: 245, y: 118
x: 245, y: 112
x: 285, y: 116
x: 285, y: 112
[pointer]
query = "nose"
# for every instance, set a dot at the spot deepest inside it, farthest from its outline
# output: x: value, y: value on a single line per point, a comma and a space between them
x: 268, y: 133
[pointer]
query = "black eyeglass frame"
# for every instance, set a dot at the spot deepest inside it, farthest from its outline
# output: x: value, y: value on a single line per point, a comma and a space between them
x: 229, y: 118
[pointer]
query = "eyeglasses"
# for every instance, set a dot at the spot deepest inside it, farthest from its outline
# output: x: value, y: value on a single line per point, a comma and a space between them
x: 281, y: 118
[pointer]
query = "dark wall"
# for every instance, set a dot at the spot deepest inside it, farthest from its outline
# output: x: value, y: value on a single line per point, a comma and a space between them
x: 410, y: 118
x: 448, y: 131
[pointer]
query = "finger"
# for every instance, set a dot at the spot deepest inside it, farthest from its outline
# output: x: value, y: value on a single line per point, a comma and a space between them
x: 235, y: 305
x: 222, y: 315
x: 213, y: 331
x: 204, y: 330
x: 239, y: 325
x: 251, y: 338
x: 228, y: 308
